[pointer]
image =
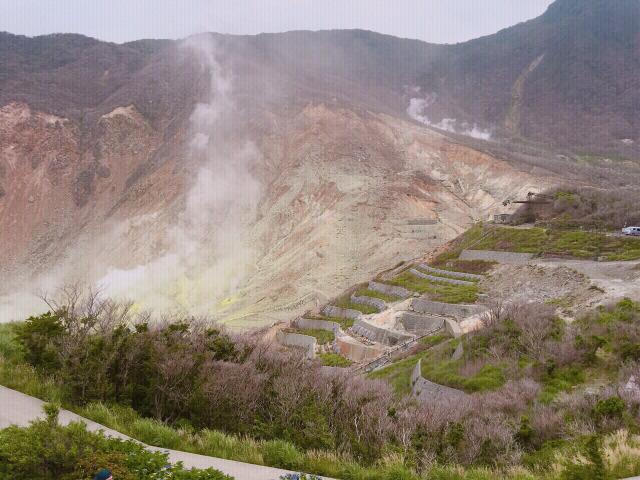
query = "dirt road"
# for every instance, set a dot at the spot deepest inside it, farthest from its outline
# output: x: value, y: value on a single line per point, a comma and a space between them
x: 617, y: 279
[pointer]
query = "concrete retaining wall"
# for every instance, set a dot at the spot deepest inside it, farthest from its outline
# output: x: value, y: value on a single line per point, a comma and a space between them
x: 427, y: 391
x: 420, y: 324
x: 370, y: 301
x: 500, y: 257
x: 458, y: 353
x: 332, y: 311
x: 297, y: 340
x: 433, y: 278
x: 355, y: 351
x: 462, y: 275
x: 452, y: 327
x: 390, y: 290
x: 422, y: 305
x: 309, y: 323
x: 380, y: 335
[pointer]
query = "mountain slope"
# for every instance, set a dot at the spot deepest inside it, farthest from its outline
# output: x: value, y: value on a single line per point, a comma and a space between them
x: 578, y: 66
x: 237, y: 175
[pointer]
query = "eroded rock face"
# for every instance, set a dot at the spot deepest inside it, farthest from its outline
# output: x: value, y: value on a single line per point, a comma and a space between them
x: 54, y: 186
x: 344, y: 194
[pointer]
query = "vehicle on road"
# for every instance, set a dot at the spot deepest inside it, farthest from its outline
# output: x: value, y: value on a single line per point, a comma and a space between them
x: 631, y: 231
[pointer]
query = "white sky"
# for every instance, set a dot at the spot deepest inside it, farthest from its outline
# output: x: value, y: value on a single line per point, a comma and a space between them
x: 438, y: 21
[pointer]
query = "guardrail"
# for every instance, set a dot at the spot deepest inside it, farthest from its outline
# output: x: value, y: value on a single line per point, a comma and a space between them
x: 386, y: 357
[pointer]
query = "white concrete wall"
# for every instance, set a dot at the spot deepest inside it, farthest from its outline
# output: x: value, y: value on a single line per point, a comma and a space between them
x: 500, y: 257
x: 429, y: 391
x: 355, y: 351
x: 309, y: 323
x: 419, y: 324
x: 380, y: 335
x: 390, y: 290
x: 422, y: 305
x: 332, y: 311
x: 462, y: 275
x: 433, y: 278
x: 376, y: 303
x: 297, y: 340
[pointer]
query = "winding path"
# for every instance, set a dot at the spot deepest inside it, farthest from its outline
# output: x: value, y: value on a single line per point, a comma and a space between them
x: 19, y: 409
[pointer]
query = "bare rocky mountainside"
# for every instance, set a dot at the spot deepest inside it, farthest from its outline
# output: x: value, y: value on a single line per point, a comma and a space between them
x: 250, y: 177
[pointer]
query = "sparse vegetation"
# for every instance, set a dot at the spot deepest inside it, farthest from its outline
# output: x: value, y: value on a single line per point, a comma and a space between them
x: 345, y: 302
x: 322, y: 336
x: 334, y: 360
x: 441, y: 292
x: 524, y: 367
x: 444, y: 275
x: 580, y: 244
x: 398, y: 374
x: 365, y: 292
x: 46, y: 450
x: 345, y: 323
x: 477, y: 267
x: 589, y: 208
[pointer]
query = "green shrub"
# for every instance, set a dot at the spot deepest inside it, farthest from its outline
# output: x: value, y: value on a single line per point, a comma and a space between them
x: 560, y: 380
x: 283, y: 454
x: 48, y: 451
x: 612, y: 407
x: 594, y: 469
x: 334, y: 360
x: 39, y: 336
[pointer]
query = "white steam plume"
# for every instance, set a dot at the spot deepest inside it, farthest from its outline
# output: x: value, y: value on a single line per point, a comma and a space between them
x: 417, y: 110
x: 210, y: 252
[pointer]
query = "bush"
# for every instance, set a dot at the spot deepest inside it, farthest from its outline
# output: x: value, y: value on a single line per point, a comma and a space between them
x: 39, y: 337
x: 334, y: 360
x: 283, y: 454
x: 612, y: 407
x: 47, y: 451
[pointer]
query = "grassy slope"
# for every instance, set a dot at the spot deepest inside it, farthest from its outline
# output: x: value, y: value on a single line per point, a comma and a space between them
x: 322, y: 336
x: 345, y: 323
x: 573, y: 243
x: 365, y: 292
x: 334, y: 360
x: 607, y: 326
x: 345, y: 302
x: 398, y: 374
x: 440, y: 292
x: 622, y: 451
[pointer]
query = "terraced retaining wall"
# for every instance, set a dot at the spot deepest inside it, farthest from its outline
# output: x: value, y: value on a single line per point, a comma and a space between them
x: 420, y: 324
x: 422, y: 305
x: 390, y: 290
x: 308, y: 323
x: 380, y: 335
x: 426, y: 390
x: 452, y: 327
x: 332, y: 311
x: 377, y: 303
x: 297, y: 340
x: 513, y: 258
x: 462, y: 275
x: 355, y: 351
x: 433, y: 278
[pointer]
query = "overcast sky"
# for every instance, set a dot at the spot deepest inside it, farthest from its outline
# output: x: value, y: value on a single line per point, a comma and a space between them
x: 439, y: 21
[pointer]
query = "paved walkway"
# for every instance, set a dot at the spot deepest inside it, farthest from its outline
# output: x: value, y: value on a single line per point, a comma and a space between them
x: 19, y: 409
